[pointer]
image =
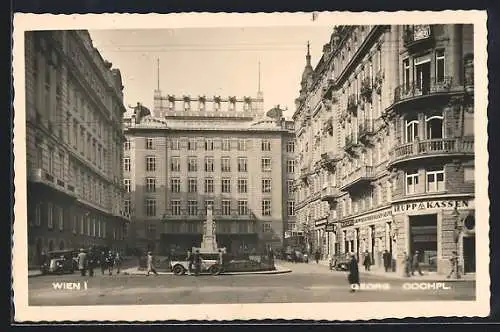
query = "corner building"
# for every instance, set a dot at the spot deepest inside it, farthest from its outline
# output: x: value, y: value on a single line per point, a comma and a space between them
x: 396, y: 107
x: 193, y: 152
x: 74, y: 139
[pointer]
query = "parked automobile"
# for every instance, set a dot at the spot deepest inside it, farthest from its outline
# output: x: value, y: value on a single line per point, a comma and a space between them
x: 339, y: 263
x: 210, y: 266
x: 60, y: 262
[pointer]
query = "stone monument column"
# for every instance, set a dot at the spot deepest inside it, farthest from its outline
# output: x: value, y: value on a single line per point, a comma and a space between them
x: 209, y: 242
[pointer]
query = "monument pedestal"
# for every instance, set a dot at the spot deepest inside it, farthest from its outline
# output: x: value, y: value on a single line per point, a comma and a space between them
x: 209, y: 240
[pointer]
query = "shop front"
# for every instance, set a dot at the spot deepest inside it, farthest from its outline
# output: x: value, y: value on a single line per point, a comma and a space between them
x: 432, y: 229
x: 369, y: 233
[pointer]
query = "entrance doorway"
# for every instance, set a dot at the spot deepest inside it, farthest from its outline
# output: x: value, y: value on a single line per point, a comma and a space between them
x: 469, y: 245
x: 423, y: 238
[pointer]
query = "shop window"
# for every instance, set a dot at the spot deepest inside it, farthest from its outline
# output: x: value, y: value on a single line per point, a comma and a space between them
x: 435, y: 180
x: 411, y: 182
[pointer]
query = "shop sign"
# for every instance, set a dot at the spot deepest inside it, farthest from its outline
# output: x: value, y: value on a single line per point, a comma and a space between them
x: 347, y: 223
x: 374, y: 216
x: 330, y: 228
x: 431, y: 205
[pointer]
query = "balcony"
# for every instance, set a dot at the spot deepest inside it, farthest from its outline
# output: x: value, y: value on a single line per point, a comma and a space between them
x: 416, y: 36
x: 440, y: 147
x: 425, y: 89
x: 42, y: 177
x: 330, y: 194
x: 351, y: 143
x: 366, y: 130
x: 328, y: 161
x: 360, y: 176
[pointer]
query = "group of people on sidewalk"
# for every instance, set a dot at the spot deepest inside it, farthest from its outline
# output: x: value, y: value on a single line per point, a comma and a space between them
x: 88, y: 261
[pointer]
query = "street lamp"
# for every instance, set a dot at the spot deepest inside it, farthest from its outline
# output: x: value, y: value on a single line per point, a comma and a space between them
x: 457, y: 231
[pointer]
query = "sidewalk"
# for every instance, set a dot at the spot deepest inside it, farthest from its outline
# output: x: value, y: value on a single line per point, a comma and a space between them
x: 34, y: 273
x: 278, y: 270
x: 434, y: 276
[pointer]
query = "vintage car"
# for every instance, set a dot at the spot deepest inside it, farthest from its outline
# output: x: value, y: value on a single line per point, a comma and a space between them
x: 60, y: 262
x: 210, y: 266
x: 339, y: 263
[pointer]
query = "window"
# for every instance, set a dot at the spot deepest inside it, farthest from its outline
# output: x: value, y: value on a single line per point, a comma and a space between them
x: 176, y: 207
x: 126, y: 145
x: 266, y: 207
x: 242, y: 186
x: 175, y: 165
x: 406, y: 74
x: 192, y: 185
x: 82, y: 225
x: 50, y: 221
x: 150, y: 163
x: 290, y: 147
x: 150, y: 207
x: 440, y: 66
x: 175, y: 185
x: 435, y: 180
x: 290, y: 166
x: 126, y: 184
x: 209, y: 145
x: 242, y: 208
x: 266, y: 185
x: 209, y: 164
x: 150, y: 185
x: 175, y: 144
x: 127, y: 206
x: 411, y: 182
x: 289, y: 185
x: 192, y: 208
x: 209, y: 185
x: 38, y: 214
x: 469, y: 173
x: 226, y: 185
x: 422, y: 75
x: 266, y: 164
x: 290, y: 207
x: 192, y: 164
x: 208, y: 203
x: 411, y: 129
x: 51, y: 161
x: 266, y: 145
x: 75, y: 224
x: 468, y: 123
x: 242, y: 145
x: 226, y: 164
x: 242, y: 164
x: 192, y: 144
x: 266, y: 228
x: 60, y: 218
x: 149, y: 143
x: 226, y: 207
x: 434, y: 127
x: 226, y: 145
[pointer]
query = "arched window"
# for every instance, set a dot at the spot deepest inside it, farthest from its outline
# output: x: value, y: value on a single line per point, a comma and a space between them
x: 434, y: 127
x: 411, y: 130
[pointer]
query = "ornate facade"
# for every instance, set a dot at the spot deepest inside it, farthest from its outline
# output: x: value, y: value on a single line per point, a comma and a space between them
x: 195, y: 152
x: 74, y: 114
x: 384, y: 128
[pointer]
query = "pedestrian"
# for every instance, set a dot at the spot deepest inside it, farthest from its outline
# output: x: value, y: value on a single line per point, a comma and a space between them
x: 109, y: 262
x: 353, y: 276
x: 221, y: 257
x: 454, y: 264
x: 407, y: 264
x: 91, y: 262
x: 82, y: 262
x: 197, y: 262
x: 367, y: 262
x: 416, y: 264
x: 317, y: 256
x: 151, y: 266
x: 190, y: 261
x: 387, y: 258
x: 102, y: 262
x: 117, y: 262
x: 293, y: 256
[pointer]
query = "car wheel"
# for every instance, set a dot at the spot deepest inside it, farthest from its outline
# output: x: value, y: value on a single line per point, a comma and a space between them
x: 214, y: 270
x: 179, y: 270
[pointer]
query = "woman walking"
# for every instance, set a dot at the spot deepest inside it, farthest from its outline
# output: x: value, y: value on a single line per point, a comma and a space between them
x: 353, y: 276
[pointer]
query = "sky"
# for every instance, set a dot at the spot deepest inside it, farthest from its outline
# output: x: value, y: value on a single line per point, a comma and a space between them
x: 212, y: 61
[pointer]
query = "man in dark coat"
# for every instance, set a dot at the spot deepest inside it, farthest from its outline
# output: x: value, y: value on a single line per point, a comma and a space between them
x: 386, y: 256
x: 367, y: 262
x: 416, y: 264
x: 407, y: 264
x: 197, y: 262
x: 190, y: 261
x: 110, y: 259
x: 353, y: 276
x: 317, y: 256
x: 102, y: 262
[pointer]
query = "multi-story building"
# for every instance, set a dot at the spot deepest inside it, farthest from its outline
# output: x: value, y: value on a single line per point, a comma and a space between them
x: 397, y: 106
x: 74, y: 114
x: 196, y: 152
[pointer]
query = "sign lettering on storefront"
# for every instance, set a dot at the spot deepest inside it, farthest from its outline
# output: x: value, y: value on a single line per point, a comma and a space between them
x: 427, y: 205
x: 347, y: 223
x: 375, y: 216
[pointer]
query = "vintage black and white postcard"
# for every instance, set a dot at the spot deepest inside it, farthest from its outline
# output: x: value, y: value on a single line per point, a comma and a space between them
x: 250, y: 166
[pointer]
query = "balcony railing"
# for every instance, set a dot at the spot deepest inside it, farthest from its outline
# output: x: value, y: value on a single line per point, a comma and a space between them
x: 417, y: 34
x: 411, y: 90
x: 433, y: 147
x: 361, y: 175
